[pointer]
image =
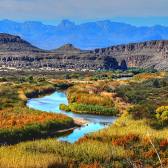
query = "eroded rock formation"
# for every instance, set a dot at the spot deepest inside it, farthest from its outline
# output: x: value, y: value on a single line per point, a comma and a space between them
x: 17, y: 53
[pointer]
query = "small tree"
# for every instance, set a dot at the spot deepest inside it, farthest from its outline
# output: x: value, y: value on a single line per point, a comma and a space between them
x: 3, y: 79
x: 30, y: 79
x: 156, y: 83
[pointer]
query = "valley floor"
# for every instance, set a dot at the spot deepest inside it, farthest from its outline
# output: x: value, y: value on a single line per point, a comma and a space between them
x: 137, y: 139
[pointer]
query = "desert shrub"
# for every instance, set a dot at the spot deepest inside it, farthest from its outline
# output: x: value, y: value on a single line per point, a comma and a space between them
x: 141, y: 111
x: 156, y: 83
x: 147, y: 95
x: 41, y: 79
x: 31, y: 79
x: 125, y: 140
x: 136, y: 70
x: 149, y: 154
x: 163, y: 144
x: 3, y: 79
x: 64, y: 107
x: 130, y: 94
x: 164, y: 83
x: 8, y: 97
x: 162, y: 113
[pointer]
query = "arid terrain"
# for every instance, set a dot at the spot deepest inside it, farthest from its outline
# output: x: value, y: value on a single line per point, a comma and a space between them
x: 16, y: 53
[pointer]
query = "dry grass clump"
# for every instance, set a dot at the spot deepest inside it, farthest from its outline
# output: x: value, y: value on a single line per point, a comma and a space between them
x: 89, y: 94
x: 13, y: 157
x: 126, y: 125
x: 18, y: 117
x: 51, y: 153
x: 146, y: 76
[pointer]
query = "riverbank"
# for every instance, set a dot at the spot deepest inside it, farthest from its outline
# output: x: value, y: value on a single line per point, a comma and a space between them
x: 132, y: 141
x: 79, y: 121
x: 88, y: 123
x: 35, y: 131
x: 18, y: 122
x: 77, y: 124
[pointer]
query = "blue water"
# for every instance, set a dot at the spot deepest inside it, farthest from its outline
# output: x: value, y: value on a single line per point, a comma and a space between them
x: 51, y: 104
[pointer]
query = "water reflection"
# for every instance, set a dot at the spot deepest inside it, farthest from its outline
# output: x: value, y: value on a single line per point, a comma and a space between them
x: 51, y: 104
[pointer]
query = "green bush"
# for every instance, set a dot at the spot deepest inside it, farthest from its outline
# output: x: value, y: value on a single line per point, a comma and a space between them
x: 156, y: 83
x: 3, y: 80
x: 141, y: 111
x: 92, y: 109
x: 64, y: 107
x: 147, y: 96
x: 162, y: 113
x: 150, y: 91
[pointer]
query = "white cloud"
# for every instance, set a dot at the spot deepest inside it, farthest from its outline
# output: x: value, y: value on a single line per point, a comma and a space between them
x: 80, y: 9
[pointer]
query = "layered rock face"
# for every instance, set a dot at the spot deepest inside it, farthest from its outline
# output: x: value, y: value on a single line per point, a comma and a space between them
x: 150, y: 54
x: 19, y: 54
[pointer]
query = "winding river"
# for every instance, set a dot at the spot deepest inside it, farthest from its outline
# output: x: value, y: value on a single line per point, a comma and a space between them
x: 51, y: 104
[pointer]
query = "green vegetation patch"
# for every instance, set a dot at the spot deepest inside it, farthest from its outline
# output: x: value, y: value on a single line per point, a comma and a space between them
x: 19, y: 123
x: 89, y: 109
x: 147, y: 96
x: 34, y: 131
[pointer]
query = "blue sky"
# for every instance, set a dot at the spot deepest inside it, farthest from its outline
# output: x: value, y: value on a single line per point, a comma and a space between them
x: 138, y: 12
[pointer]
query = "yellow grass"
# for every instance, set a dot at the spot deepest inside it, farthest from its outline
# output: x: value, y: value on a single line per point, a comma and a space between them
x: 126, y: 125
x: 22, y: 95
x: 14, y: 157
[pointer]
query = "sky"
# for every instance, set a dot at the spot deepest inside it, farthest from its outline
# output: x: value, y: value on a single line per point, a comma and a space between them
x: 137, y: 12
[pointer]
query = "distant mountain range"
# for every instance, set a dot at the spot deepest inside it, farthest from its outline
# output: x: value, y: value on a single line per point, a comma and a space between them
x: 17, y: 53
x: 85, y: 36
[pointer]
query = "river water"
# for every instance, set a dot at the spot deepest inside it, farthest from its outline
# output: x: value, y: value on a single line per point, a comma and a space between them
x: 51, y: 104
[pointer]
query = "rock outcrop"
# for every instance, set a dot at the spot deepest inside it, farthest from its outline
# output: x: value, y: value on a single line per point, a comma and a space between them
x: 19, y: 54
x: 15, y: 43
x: 67, y: 48
x: 150, y: 54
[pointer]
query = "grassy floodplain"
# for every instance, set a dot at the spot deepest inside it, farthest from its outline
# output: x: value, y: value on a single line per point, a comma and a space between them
x: 91, y: 99
x: 17, y: 122
x: 137, y: 139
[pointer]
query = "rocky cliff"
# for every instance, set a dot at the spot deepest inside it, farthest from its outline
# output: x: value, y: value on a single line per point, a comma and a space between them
x: 17, y: 53
x: 150, y: 54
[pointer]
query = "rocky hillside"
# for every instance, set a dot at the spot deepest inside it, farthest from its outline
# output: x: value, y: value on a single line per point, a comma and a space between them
x: 15, y: 43
x: 19, y: 54
x: 67, y: 48
x: 150, y: 54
